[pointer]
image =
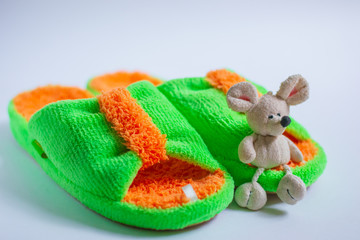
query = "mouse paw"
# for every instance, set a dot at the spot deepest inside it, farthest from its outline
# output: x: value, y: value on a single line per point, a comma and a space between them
x: 291, y: 189
x: 251, y: 195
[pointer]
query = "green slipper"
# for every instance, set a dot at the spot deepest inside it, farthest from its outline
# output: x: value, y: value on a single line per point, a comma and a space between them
x: 129, y: 155
x: 202, y: 101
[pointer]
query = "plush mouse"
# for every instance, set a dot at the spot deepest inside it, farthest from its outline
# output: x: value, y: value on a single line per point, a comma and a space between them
x: 267, y: 147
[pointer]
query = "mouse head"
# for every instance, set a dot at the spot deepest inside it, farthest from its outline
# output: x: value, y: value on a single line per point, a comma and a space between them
x: 269, y: 114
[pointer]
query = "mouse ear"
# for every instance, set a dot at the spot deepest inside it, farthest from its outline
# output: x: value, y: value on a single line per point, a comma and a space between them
x: 294, y: 90
x: 242, y: 96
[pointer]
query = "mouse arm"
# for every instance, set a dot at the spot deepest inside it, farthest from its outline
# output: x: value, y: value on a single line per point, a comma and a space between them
x: 295, y: 153
x: 247, y: 152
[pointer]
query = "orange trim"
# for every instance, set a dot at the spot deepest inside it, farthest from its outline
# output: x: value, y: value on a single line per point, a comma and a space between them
x: 107, y: 82
x: 27, y: 103
x: 160, y: 186
x: 224, y: 79
x: 134, y: 125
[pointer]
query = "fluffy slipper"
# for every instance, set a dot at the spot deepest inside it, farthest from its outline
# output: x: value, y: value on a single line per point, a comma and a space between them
x: 128, y: 154
x: 202, y: 101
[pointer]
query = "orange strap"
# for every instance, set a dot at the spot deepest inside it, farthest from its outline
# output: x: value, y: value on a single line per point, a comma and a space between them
x: 134, y: 125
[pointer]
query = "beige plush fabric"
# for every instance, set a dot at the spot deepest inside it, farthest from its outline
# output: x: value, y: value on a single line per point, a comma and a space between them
x: 251, y: 195
x: 294, y: 90
x: 266, y: 148
x: 242, y: 97
x: 291, y: 189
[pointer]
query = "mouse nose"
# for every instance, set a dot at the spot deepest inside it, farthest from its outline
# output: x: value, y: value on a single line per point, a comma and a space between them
x: 285, y: 121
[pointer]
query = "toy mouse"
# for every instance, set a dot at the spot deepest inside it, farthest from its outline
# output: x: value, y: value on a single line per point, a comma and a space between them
x: 267, y: 147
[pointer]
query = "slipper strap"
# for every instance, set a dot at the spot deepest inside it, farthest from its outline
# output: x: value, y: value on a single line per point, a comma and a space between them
x: 134, y: 125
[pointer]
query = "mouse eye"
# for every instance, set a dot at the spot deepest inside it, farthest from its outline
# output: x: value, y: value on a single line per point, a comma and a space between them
x: 278, y: 114
x: 271, y: 116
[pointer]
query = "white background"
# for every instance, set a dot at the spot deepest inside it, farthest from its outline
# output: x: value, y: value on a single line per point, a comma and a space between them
x: 67, y: 42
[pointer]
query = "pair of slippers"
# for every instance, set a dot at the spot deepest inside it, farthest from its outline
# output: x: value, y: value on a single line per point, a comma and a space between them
x: 150, y: 154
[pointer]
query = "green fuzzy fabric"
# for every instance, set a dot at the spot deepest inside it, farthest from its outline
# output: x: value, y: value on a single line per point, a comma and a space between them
x: 222, y: 129
x: 86, y: 157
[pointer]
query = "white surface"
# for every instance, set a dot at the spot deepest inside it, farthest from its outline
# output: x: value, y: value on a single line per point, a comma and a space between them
x: 69, y: 42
